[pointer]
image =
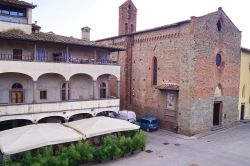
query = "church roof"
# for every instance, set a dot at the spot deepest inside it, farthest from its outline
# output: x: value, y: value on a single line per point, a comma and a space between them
x: 177, y: 24
x: 17, y: 3
x: 54, y: 38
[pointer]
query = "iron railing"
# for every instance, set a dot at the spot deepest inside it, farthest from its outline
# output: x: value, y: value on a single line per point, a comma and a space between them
x: 11, y: 57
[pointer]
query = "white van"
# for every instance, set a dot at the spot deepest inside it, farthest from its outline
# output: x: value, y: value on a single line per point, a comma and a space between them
x: 127, y: 115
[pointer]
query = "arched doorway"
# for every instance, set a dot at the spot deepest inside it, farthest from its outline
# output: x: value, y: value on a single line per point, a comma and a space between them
x: 217, y: 107
x: 17, y: 93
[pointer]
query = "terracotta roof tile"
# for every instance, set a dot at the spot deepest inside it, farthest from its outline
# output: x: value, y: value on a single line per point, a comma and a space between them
x: 54, y: 38
x: 168, y: 86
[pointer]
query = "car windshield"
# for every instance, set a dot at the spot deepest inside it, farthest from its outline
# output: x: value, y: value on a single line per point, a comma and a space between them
x: 153, y: 121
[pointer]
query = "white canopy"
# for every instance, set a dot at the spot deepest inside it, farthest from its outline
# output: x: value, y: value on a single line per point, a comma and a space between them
x: 101, y: 125
x: 34, y: 136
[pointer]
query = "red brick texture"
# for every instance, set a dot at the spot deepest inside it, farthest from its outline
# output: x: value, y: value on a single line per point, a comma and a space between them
x: 186, y: 56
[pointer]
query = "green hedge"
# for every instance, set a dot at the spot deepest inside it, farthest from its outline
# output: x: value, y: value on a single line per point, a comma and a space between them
x: 82, y: 152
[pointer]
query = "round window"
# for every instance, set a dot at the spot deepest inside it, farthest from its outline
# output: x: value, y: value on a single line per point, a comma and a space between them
x: 218, y: 60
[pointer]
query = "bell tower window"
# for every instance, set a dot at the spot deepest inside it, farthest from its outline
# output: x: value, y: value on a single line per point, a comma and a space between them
x: 129, y: 11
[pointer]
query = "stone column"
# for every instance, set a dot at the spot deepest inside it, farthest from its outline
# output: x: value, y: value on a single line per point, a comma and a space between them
x: 67, y: 54
x: 118, y: 58
x: 67, y: 90
x: 95, y: 55
x: 34, y: 92
x: 118, y: 88
x: 95, y: 90
x: 35, y: 52
x: 107, y: 89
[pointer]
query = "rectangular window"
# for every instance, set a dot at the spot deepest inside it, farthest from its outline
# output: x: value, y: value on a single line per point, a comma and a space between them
x: 43, y: 95
x: 5, y: 12
x: 13, y: 13
x: 17, y: 54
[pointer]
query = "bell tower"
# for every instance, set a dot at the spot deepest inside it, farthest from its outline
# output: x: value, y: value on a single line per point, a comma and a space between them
x: 127, y: 18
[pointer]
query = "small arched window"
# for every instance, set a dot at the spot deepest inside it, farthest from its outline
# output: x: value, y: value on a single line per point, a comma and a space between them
x: 17, y: 93
x: 103, y: 90
x: 219, y: 25
x: 218, y: 60
x: 17, y: 86
x: 155, y: 68
x: 132, y: 28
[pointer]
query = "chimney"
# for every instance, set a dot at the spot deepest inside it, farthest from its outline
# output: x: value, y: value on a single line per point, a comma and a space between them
x: 35, y: 28
x: 86, y: 33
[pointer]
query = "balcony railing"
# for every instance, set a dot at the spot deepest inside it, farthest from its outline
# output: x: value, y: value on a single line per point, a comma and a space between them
x: 11, y: 57
x: 7, y: 110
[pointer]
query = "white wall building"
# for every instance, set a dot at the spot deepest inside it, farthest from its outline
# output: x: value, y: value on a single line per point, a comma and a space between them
x: 45, y: 77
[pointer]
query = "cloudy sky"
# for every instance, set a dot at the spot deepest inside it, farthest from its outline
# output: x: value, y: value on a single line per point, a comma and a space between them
x: 66, y: 17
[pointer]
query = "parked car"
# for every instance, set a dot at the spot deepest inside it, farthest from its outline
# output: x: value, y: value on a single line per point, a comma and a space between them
x: 148, y: 123
x: 127, y: 115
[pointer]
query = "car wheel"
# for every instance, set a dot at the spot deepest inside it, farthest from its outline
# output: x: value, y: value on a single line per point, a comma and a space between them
x: 147, y: 130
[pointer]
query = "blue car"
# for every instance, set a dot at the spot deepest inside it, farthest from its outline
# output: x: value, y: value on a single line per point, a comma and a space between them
x: 148, y: 123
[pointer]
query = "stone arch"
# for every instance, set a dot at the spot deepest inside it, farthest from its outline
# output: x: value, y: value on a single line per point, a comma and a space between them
x: 80, y: 116
x: 111, y: 86
x: 81, y: 86
x: 85, y: 73
x: 12, y: 123
x: 52, y: 119
x: 110, y: 113
x: 8, y: 91
x: 51, y: 83
x: 218, y: 91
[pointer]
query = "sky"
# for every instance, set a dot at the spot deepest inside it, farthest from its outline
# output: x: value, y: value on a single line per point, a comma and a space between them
x: 67, y: 17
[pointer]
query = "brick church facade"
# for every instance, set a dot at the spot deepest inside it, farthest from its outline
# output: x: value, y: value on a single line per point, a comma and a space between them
x: 186, y: 74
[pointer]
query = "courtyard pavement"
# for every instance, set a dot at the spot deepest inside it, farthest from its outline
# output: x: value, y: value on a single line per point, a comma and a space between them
x: 227, y: 147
